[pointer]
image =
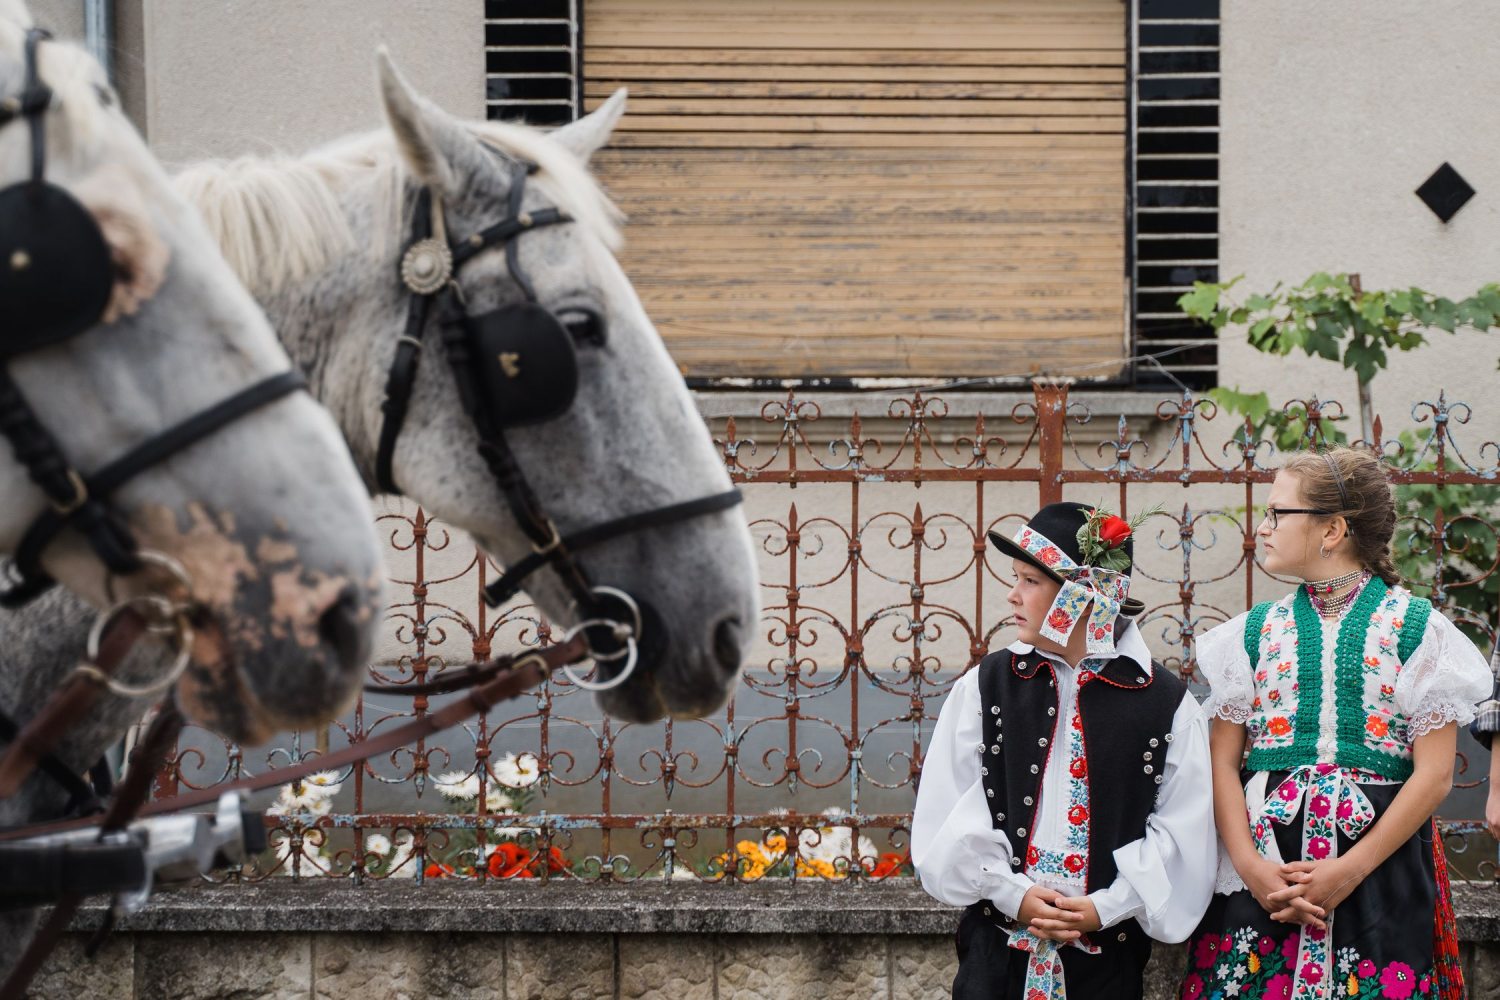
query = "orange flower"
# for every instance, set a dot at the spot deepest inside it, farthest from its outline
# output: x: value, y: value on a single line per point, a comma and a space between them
x: 1279, y: 726
x: 888, y: 864
x: 437, y: 871
x: 1376, y: 725
x: 1372, y: 661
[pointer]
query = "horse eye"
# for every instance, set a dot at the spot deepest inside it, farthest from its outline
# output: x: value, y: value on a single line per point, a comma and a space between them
x: 585, y: 326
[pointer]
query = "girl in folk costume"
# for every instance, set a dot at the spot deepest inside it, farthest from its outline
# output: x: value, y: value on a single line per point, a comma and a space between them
x: 1346, y: 693
x: 1063, y: 797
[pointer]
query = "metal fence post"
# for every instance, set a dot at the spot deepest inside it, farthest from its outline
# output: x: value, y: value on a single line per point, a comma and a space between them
x: 1051, y: 410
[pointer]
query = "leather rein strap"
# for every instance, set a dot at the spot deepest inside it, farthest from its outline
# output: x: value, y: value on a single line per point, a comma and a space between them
x: 487, y: 685
x: 31, y: 745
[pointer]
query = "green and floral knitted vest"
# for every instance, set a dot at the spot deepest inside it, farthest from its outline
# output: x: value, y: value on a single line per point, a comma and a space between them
x: 1284, y: 640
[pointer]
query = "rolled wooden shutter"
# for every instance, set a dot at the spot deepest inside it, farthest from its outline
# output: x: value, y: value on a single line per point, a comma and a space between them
x: 871, y: 187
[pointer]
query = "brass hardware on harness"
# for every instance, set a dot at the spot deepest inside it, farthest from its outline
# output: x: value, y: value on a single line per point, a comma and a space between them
x: 79, y: 498
x: 20, y: 260
x: 510, y: 364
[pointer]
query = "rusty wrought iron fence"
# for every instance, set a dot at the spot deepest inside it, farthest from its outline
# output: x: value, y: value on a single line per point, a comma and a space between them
x: 878, y: 594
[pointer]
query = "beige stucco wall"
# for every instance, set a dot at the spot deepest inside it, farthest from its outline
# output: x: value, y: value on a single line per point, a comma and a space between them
x: 224, y: 77
x: 1333, y: 114
x: 64, y: 18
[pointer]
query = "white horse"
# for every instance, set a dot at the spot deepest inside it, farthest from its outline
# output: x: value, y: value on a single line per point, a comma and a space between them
x: 318, y: 240
x: 266, y: 516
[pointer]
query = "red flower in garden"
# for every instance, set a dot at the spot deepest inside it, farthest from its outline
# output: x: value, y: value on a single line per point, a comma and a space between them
x: 1060, y: 620
x: 437, y: 871
x: 1078, y: 815
x: 1114, y: 531
x: 1079, y: 768
x: 1073, y: 863
x: 889, y: 864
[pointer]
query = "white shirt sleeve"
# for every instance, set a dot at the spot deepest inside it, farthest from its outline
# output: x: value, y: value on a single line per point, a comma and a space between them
x: 1223, y: 662
x: 1443, y: 680
x: 1166, y: 878
x: 959, y: 855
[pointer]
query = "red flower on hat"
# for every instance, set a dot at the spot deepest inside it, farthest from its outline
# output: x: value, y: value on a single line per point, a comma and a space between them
x: 1050, y: 555
x: 1060, y: 620
x: 1114, y: 531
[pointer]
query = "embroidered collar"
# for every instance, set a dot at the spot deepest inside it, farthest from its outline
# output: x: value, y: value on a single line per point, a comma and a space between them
x: 1131, y: 666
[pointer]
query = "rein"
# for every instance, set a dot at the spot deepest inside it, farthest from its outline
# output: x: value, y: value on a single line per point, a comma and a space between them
x: 487, y: 684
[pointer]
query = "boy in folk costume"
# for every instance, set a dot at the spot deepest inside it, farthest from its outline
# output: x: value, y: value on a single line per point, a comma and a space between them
x: 1347, y: 693
x: 1063, y: 798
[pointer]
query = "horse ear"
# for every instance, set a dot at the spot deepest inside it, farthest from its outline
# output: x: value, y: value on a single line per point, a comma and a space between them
x: 428, y: 139
x: 589, y: 133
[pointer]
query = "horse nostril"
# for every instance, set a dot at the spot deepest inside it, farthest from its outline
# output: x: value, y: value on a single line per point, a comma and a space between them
x: 339, y: 626
x: 727, y: 644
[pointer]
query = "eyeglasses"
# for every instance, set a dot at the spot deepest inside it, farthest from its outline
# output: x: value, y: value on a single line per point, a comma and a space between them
x: 1273, y: 513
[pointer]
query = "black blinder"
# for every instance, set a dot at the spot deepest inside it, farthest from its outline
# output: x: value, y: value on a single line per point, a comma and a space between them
x: 55, y: 270
x: 526, y: 362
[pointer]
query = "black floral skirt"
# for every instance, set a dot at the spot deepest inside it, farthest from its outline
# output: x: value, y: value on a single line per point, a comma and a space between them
x: 1381, y: 936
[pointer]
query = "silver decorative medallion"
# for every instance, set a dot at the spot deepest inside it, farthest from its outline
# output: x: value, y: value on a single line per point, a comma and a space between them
x: 427, y: 266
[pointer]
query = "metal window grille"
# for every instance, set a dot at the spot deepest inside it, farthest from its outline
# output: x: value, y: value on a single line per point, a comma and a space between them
x: 534, y: 60
x: 1175, y: 179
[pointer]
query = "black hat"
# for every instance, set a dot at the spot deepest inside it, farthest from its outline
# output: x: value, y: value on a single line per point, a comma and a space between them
x: 1059, y: 524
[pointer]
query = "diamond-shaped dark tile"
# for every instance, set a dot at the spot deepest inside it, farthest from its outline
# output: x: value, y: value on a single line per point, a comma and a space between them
x: 1445, y: 192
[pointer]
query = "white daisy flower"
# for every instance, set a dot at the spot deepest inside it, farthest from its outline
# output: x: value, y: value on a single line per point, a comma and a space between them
x: 682, y: 873
x: 289, y: 801
x: 324, y: 783
x: 516, y: 832
x: 495, y: 800
x: 517, y: 771
x: 458, y: 785
x: 378, y: 844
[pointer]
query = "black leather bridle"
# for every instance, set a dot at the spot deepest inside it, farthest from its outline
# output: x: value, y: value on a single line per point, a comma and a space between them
x: 56, y: 279
x: 512, y: 366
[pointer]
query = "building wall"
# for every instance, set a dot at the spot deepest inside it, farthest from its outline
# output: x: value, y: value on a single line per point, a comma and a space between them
x: 64, y: 18
x: 1333, y: 114
x: 261, y: 76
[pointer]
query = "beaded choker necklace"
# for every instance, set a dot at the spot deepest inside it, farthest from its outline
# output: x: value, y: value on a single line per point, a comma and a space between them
x: 1329, y: 586
x: 1333, y: 607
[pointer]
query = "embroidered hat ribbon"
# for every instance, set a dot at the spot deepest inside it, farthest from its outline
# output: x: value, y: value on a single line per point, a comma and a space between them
x: 1081, y: 585
x: 1044, y: 968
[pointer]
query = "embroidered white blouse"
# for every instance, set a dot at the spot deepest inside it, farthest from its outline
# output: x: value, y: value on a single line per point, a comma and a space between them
x: 1165, y: 878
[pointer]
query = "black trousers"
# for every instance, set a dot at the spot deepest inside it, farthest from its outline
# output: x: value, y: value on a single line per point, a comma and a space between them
x: 989, y: 969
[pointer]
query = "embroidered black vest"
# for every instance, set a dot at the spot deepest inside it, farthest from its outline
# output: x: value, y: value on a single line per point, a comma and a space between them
x: 1127, y: 726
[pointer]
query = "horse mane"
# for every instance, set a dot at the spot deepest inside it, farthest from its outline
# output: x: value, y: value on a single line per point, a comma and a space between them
x: 280, y: 219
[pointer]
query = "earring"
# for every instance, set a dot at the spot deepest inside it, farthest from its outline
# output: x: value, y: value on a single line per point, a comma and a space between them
x: 1324, y: 553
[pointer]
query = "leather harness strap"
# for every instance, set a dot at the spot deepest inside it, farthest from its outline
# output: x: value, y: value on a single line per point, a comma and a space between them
x: 500, y: 680
x: 32, y: 746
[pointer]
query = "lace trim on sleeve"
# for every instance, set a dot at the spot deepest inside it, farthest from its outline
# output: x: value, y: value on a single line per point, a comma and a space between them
x: 1229, y: 711
x: 1436, y: 712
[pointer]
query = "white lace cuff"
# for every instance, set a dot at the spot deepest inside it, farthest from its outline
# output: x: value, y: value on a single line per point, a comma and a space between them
x: 1443, y: 680
x: 1229, y: 711
x: 1436, y: 712
x: 1226, y: 667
